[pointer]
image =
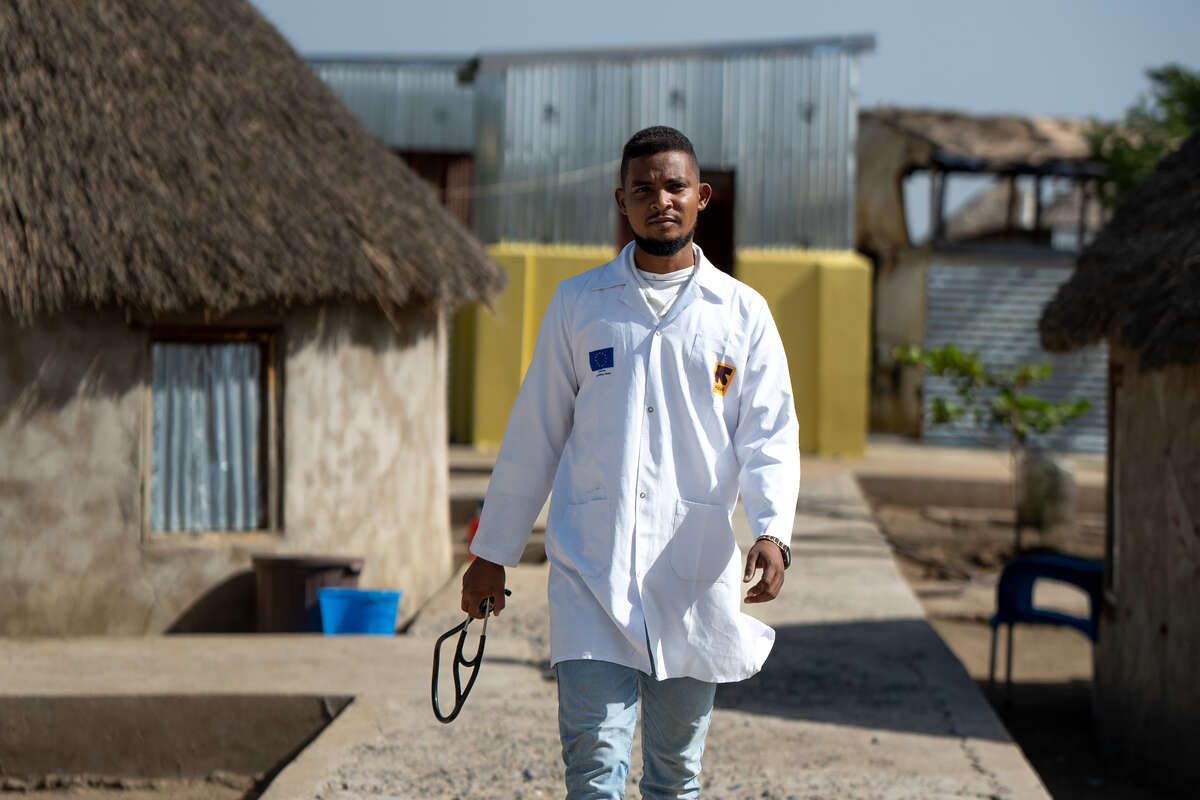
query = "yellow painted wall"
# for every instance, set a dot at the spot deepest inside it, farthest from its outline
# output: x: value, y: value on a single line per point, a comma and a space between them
x: 790, y: 287
x: 821, y: 301
x: 460, y: 381
x: 504, y: 336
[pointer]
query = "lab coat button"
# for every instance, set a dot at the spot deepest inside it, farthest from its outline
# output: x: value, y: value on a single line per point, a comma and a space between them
x: 658, y: 333
x: 642, y: 495
x: 650, y: 409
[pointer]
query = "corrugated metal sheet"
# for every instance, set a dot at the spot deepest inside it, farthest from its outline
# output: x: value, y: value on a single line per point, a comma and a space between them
x: 409, y: 104
x: 550, y: 136
x: 993, y: 308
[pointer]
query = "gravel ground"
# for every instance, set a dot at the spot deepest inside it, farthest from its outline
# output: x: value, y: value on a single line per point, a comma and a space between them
x: 952, y: 559
x: 505, y: 745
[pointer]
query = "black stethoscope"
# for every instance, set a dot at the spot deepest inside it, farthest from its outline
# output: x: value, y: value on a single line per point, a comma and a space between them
x: 460, y: 692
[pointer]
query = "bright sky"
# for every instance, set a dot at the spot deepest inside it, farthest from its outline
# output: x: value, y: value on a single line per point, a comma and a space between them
x: 1069, y: 57
x: 1059, y: 57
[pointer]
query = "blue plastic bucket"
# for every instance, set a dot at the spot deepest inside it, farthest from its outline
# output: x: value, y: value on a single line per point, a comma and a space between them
x: 347, y: 610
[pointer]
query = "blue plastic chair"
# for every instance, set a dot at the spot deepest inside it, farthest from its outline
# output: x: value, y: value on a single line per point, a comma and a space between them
x: 1014, y: 600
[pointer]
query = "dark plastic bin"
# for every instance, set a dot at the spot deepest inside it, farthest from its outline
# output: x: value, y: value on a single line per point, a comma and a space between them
x: 287, y: 589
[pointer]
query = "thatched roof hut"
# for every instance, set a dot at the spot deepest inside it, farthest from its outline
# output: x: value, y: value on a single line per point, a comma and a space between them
x: 1140, y: 280
x: 1138, y: 286
x: 171, y: 157
x: 895, y: 142
x: 223, y: 312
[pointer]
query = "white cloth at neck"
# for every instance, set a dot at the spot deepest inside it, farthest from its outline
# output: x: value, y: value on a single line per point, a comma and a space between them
x: 660, y: 290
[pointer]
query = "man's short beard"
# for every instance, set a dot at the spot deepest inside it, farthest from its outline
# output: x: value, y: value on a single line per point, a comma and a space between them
x: 664, y: 247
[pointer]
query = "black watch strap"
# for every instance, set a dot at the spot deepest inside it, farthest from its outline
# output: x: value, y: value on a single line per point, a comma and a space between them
x: 787, y: 551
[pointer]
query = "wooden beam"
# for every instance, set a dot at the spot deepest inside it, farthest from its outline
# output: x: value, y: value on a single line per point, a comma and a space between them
x: 1083, y: 209
x: 1037, y: 203
x: 937, y: 206
x: 1010, y: 222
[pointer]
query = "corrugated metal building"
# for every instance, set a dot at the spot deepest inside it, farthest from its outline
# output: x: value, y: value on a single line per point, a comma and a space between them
x: 781, y: 116
x: 411, y: 104
x: 419, y: 109
x: 989, y: 301
x: 773, y: 122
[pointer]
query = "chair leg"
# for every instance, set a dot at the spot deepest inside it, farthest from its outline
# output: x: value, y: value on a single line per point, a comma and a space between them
x: 1008, y: 668
x: 992, y: 663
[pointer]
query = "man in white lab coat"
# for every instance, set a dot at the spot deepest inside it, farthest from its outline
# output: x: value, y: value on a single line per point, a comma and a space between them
x: 657, y: 392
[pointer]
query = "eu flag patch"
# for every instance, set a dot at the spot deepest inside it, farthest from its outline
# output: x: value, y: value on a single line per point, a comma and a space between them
x: 601, y: 359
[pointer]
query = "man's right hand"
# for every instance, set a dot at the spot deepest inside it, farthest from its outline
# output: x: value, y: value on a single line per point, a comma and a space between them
x: 482, y: 580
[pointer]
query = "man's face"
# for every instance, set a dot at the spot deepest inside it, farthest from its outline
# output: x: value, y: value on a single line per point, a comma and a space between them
x: 662, y: 196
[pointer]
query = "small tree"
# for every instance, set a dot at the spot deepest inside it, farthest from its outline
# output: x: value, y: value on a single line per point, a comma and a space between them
x: 994, y: 399
x: 1152, y: 128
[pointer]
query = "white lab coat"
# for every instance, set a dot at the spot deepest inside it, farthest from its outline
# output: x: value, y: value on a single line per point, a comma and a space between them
x: 623, y: 413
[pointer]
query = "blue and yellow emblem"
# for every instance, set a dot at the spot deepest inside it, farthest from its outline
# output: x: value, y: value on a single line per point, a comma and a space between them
x: 601, y: 361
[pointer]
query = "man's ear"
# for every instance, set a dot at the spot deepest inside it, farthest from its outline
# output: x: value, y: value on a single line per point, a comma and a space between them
x: 705, y: 196
x: 619, y: 196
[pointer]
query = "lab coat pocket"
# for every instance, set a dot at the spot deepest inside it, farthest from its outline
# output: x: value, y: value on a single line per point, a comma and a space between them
x: 584, y: 539
x: 702, y: 544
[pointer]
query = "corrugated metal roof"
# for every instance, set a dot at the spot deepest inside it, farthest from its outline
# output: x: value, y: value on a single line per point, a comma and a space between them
x: 990, y: 307
x: 409, y: 103
x: 854, y: 45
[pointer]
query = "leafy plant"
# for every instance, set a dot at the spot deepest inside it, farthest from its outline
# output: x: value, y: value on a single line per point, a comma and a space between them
x: 993, y: 398
x: 996, y: 399
x: 1153, y: 127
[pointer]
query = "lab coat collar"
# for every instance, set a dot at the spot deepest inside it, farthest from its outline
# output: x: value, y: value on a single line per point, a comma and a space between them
x: 706, y: 281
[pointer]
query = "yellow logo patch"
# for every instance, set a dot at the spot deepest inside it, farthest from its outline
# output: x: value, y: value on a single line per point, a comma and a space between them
x: 722, y: 375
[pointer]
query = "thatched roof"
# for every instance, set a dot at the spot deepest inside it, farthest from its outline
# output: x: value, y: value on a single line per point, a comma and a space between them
x: 177, y: 156
x: 895, y: 142
x: 1140, y: 279
x: 987, y: 143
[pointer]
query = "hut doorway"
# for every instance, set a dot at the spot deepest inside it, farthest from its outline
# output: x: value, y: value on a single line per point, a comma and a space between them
x: 714, y: 230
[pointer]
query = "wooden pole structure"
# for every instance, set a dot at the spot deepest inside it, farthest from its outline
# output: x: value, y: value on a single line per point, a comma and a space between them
x: 937, y: 205
x: 1083, y: 208
x: 1010, y: 222
x: 1037, y: 203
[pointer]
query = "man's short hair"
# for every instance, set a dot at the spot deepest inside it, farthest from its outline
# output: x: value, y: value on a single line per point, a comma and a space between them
x: 652, y: 140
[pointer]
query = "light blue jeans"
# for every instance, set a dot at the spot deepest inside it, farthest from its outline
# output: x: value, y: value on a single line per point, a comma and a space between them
x: 597, y: 713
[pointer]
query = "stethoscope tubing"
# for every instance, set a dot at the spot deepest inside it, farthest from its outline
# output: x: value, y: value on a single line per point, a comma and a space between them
x: 460, y: 660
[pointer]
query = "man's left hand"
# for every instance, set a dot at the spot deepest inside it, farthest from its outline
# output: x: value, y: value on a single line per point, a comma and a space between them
x: 767, y: 556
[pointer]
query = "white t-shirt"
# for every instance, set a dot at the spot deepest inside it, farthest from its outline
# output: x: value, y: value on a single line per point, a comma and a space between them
x: 660, y: 290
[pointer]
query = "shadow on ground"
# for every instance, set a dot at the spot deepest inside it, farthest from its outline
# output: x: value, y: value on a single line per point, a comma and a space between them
x: 888, y: 674
x: 227, y: 607
x: 1052, y: 723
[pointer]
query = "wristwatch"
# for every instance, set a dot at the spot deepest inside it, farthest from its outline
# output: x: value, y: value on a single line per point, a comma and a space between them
x: 787, y: 551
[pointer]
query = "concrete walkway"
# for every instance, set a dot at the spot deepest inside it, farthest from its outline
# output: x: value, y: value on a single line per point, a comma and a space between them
x: 860, y: 698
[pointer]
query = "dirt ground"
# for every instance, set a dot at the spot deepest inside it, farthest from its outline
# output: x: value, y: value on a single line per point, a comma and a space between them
x: 952, y: 559
x: 217, y: 787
